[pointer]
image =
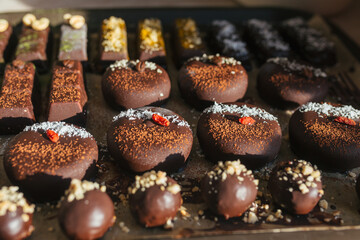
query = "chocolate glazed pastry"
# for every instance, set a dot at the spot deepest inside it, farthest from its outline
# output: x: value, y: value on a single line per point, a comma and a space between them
x: 239, y: 131
x: 327, y: 134
x: 229, y: 189
x: 150, y: 138
x: 288, y: 83
x: 16, y: 214
x: 44, y: 158
x: 86, y: 212
x: 154, y: 199
x: 212, y: 78
x: 296, y: 186
x: 132, y: 84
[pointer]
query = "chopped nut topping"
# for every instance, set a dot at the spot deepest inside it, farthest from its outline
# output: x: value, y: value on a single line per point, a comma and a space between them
x: 114, y: 35
x: 78, y: 189
x: 188, y: 32
x: 28, y: 19
x: 221, y: 60
x: 150, y: 35
x: 324, y: 204
x: 153, y: 178
x: 11, y: 199
x: 4, y: 25
x: 67, y: 17
x: 77, y: 21
x: 40, y: 24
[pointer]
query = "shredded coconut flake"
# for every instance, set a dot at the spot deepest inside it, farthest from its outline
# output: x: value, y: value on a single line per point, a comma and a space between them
x: 208, y: 58
x: 61, y: 128
x: 243, y: 110
x: 329, y: 110
x: 132, y: 63
x: 295, y: 66
x: 146, y: 113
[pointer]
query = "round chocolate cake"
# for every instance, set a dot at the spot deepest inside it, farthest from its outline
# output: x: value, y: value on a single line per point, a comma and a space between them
x: 229, y: 189
x: 239, y: 131
x: 288, y: 83
x: 150, y: 138
x: 204, y: 80
x: 86, y: 211
x: 16, y: 214
x: 44, y: 158
x: 154, y: 199
x: 296, y: 186
x: 327, y: 134
x: 132, y: 84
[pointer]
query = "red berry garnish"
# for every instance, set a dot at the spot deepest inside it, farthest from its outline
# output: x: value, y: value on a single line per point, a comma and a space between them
x: 160, y: 120
x: 345, y: 120
x: 53, y: 136
x: 247, y: 120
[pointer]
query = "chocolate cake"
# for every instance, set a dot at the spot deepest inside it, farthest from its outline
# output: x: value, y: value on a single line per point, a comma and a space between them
x: 150, y: 138
x: 227, y: 40
x: 286, y: 83
x: 151, y: 44
x: 309, y: 42
x: 296, y: 186
x: 86, y: 211
x: 326, y: 134
x: 154, y: 199
x: 204, y: 80
x: 265, y: 40
x: 73, y: 40
x: 229, y: 189
x: 19, y: 97
x: 16, y: 214
x: 68, y: 98
x: 35, y: 42
x: 188, y: 42
x: 132, y: 84
x: 234, y: 131
x: 44, y: 158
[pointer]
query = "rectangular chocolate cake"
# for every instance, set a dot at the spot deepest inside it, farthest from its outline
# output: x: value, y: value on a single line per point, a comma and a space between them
x: 73, y: 40
x: 309, y: 42
x: 5, y: 33
x: 67, y: 97
x: 151, y: 45
x: 187, y: 39
x: 19, y: 98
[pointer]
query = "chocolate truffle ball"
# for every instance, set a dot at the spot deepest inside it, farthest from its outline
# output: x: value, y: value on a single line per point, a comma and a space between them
x: 229, y: 189
x: 154, y: 198
x: 239, y: 131
x: 288, y: 83
x: 326, y: 134
x: 16, y: 214
x: 132, y: 84
x: 204, y: 80
x: 44, y: 158
x: 150, y: 138
x: 86, y: 212
x: 296, y: 186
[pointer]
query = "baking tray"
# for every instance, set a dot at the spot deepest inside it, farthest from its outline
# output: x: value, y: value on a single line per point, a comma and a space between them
x: 339, y: 188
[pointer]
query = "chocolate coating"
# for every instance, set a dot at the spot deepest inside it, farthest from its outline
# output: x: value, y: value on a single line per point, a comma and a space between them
x: 153, y: 207
x: 222, y: 137
x: 43, y: 169
x: 88, y: 218
x: 140, y: 144
x: 321, y: 140
x: 286, y: 87
x: 292, y: 189
x: 73, y: 43
x: 204, y: 80
x: 230, y: 197
x: 133, y: 84
x: 13, y: 227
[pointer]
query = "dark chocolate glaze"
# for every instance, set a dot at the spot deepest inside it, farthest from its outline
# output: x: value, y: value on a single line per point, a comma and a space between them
x: 142, y: 144
x: 126, y: 88
x: 232, y: 197
x: 13, y: 227
x: 223, y: 138
x: 43, y: 169
x: 285, y: 89
x: 153, y: 207
x: 203, y: 82
x: 295, y: 202
x: 321, y: 140
x: 88, y: 218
